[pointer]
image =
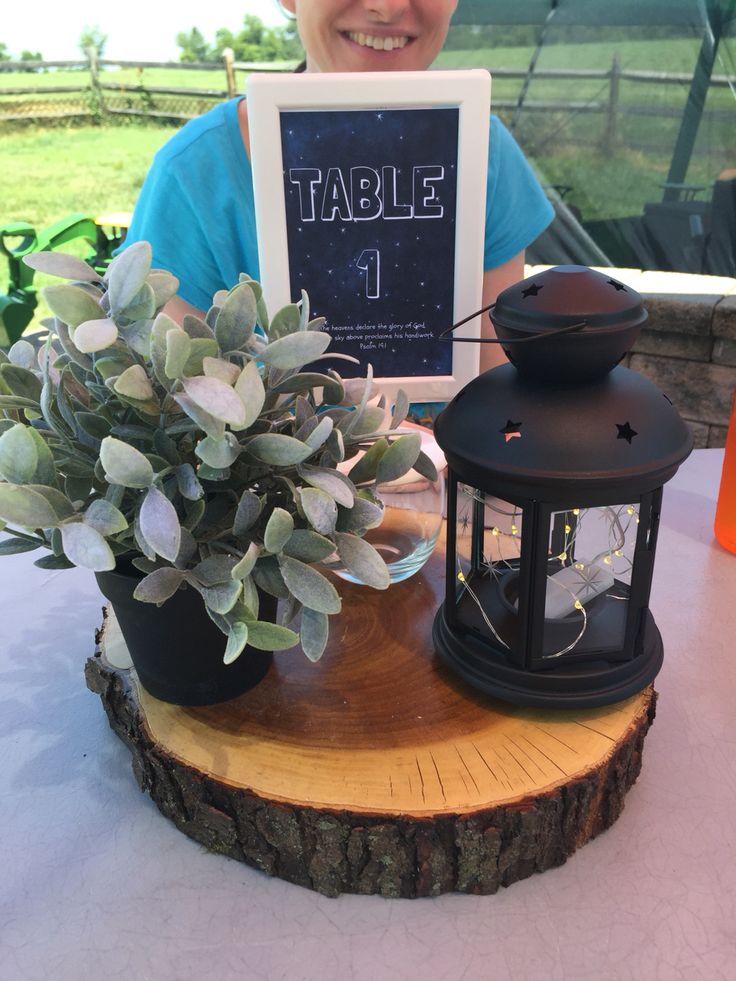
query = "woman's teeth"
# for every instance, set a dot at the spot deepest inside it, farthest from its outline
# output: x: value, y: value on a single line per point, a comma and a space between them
x: 378, y: 43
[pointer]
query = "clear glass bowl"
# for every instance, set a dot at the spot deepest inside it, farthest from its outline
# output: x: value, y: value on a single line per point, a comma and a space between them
x: 412, y: 518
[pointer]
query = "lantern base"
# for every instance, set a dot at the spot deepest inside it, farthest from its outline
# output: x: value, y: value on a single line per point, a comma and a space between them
x: 583, y: 684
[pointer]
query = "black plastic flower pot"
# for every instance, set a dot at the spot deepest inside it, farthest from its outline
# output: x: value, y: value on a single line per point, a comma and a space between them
x: 176, y: 649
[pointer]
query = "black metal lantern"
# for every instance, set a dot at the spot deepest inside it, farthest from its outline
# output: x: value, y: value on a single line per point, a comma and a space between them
x: 556, y: 463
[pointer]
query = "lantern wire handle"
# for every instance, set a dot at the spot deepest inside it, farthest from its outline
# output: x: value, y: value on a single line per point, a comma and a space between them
x: 444, y: 335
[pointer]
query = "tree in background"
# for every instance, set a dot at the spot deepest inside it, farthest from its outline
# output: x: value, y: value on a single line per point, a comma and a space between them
x: 255, y: 42
x: 92, y: 37
x: 4, y: 54
x: 193, y: 46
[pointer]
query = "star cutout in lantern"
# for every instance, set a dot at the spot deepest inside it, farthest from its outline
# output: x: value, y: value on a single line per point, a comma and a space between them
x: 532, y: 290
x: 625, y: 432
x: 617, y: 286
x: 511, y: 430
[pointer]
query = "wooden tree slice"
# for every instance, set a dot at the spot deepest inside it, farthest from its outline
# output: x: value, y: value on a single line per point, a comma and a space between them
x: 374, y: 770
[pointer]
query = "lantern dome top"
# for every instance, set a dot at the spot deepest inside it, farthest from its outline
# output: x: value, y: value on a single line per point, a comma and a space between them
x: 603, y: 315
x: 508, y: 434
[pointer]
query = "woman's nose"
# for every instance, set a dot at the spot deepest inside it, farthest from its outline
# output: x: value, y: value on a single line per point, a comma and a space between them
x: 386, y: 11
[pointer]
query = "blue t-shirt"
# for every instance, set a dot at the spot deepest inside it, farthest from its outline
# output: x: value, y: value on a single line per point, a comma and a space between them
x: 196, y: 206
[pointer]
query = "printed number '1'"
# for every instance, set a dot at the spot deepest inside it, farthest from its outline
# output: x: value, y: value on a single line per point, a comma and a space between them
x: 370, y: 261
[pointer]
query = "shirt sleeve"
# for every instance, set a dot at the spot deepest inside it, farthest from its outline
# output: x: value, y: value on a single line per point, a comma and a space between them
x: 166, y: 217
x: 517, y: 210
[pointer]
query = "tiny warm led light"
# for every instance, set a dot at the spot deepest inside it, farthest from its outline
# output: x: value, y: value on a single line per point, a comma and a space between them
x: 618, y: 552
x: 580, y: 566
x: 568, y: 529
x: 461, y: 577
x: 562, y: 556
x: 576, y: 510
x: 495, y: 532
x: 607, y: 560
x: 578, y: 605
x: 637, y: 519
x: 629, y: 510
x: 514, y: 530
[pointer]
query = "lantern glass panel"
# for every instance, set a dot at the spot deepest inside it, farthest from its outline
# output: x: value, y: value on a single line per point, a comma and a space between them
x: 588, y: 580
x: 488, y: 551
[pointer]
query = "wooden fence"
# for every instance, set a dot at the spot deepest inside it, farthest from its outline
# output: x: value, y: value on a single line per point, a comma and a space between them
x: 98, y: 94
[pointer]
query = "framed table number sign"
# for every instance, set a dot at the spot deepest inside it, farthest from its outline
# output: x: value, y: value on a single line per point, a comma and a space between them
x: 370, y: 195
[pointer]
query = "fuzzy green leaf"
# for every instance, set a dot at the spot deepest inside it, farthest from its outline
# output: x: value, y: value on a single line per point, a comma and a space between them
x: 159, y: 586
x: 105, y: 518
x: 202, y: 348
x: 124, y: 464
x: 23, y: 355
x: 401, y: 409
x: 320, y: 509
x: 217, y: 399
x: 267, y: 576
x: 218, y: 453
x: 21, y: 382
x: 213, y: 427
x: 159, y: 524
x: 196, y: 328
x: 226, y: 371
x: 18, y: 455
x: 178, y: 349
x: 314, y: 633
x: 135, y: 384
x: 249, y: 387
x: 295, y: 350
x: 215, y: 569
x: 186, y: 481
x: 236, y: 319
x: 72, y: 304
x: 86, y: 547
x: 14, y: 546
x: 249, y: 509
x: 362, y: 560
x: 332, y: 482
x: 95, y: 335
x: 164, y: 286
x: 267, y: 636
x: 138, y: 337
x: 399, y: 458
x: 237, y: 638
x: 62, y: 265
x: 26, y: 507
x: 222, y: 597
x: 321, y: 433
x: 278, y: 450
x: 286, y: 321
x: 309, y: 586
x: 308, y: 546
x: 278, y: 530
x: 244, y: 568
x: 367, y: 467
x: 126, y: 276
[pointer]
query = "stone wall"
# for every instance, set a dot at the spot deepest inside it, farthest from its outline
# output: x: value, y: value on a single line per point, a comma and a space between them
x: 688, y: 347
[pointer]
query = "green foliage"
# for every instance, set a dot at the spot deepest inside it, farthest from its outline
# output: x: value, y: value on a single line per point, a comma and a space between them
x: 4, y: 53
x: 94, y: 39
x: 254, y: 42
x: 193, y: 46
x: 202, y: 452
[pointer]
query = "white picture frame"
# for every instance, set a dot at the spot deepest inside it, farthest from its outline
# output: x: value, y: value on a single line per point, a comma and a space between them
x: 270, y: 97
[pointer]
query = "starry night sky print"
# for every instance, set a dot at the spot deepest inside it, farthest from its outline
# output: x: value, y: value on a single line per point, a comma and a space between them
x: 413, y: 274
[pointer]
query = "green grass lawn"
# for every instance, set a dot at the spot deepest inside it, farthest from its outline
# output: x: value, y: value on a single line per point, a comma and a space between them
x: 49, y: 173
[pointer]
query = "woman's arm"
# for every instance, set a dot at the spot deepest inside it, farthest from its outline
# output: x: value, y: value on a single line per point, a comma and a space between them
x: 494, y: 282
x: 177, y: 309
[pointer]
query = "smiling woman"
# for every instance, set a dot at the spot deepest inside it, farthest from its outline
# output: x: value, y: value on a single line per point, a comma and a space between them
x: 197, y: 206
x: 381, y: 35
